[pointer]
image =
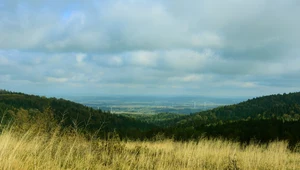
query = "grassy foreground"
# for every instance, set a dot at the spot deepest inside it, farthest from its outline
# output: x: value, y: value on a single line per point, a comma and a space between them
x: 33, y: 150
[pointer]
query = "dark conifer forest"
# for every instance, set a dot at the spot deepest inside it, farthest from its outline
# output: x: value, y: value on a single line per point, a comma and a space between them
x: 261, y: 119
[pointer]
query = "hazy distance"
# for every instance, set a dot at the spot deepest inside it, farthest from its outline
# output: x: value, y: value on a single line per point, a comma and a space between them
x: 153, y: 104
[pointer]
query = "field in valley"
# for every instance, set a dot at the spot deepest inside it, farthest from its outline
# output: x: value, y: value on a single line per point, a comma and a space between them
x: 152, y: 104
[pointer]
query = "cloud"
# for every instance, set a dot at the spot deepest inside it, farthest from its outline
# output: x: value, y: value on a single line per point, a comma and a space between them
x: 4, y: 61
x: 207, y: 39
x: 143, y: 58
x: 188, y: 78
x: 239, y: 84
x: 186, y: 59
x: 145, y: 25
x: 80, y: 58
x: 210, y: 47
x: 115, y: 61
x: 56, y: 80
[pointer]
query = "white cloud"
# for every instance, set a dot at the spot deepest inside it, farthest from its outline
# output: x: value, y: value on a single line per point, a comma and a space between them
x: 248, y: 84
x: 80, y: 58
x: 151, y: 45
x: 56, y: 80
x: 191, y: 78
x: 144, y: 58
x: 237, y: 84
x: 187, y: 78
x: 187, y: 60
x: 207, y: 39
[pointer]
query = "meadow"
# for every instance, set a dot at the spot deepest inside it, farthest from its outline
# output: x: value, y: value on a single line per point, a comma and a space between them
x: 36, y: 149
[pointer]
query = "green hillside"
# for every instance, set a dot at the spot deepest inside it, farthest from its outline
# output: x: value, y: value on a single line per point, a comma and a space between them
x: 160, y: 119
x: 285, y: 107
x: 261, y: 119
x: 69, y: 114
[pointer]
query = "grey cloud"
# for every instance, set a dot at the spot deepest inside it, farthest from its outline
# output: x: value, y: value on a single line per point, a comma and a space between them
x: 162, y: 46
x: 250, y: 29
x: 116, y: 26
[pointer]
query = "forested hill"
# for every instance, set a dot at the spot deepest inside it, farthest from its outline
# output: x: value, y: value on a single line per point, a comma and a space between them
x: 262, y: 118
x: 72, y: 114
x: 279, y: 106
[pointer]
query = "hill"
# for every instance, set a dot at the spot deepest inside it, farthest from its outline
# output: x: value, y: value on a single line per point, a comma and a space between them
x: 159, y: 119
x: 68, y: 114
x: 60, y: 140
x: 263, y: 119
x: 285, y: 106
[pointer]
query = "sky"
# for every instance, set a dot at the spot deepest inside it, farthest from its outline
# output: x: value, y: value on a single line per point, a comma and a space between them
x: 150, y: 47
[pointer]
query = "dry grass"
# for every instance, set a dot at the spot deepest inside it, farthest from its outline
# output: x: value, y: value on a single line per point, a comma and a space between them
x: 32, y: 150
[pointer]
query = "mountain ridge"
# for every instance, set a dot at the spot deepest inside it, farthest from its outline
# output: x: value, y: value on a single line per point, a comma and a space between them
x: 264, y: 119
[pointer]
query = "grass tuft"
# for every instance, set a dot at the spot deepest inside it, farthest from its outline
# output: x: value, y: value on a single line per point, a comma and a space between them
x: 70, y: 150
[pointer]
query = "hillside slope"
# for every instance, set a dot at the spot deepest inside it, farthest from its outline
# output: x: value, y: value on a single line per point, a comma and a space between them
x: 69, y: 114
x: 285, y: 106
x: 262, y: 119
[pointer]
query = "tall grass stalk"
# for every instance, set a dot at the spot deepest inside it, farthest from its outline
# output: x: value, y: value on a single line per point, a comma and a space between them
x: 61, y: 150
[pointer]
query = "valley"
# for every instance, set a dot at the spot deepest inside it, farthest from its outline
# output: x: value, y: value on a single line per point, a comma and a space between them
x: 153, y: 104
x: 54, y: 133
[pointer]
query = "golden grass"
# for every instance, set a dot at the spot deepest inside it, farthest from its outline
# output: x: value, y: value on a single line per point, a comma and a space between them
x: 31, y: 150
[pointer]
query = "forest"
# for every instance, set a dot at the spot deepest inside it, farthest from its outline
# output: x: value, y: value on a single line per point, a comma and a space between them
x: 261, y: 119
x: 37, y: 132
